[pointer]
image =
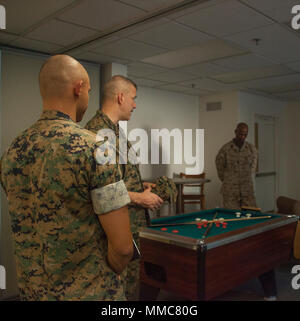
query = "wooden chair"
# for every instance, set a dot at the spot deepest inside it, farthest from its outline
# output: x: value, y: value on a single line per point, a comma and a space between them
x: 198, y: 198
x: 287, y: 205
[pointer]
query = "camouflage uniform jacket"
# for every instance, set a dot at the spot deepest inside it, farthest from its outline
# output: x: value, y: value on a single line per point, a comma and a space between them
x: 235, y: 168
x: 130, y: 172
x: 54, y: 188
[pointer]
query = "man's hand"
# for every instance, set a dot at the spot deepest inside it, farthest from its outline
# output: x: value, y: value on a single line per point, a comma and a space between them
x: 147, y: 185
x: 146, y: 199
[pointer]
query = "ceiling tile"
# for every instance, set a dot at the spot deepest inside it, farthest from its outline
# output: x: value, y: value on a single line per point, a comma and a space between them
x: 210, y: 50
x: 275, y: 84
x: 139, y: 69
x: 174, y: 87
x: 41, y: 46
x: 224, y: 19
x: 171, y: 76
x: 141, y: 26
x: 294, y: 65
x: 146, y: 82
x: 204, y: 69
x: 97, y: 57
x: 101, y: 14
x: 60, y: 33
x: 273, y: 44
x: 7, y: 37
x: 171, y: 36
x: 100, y: 42
x: 290, y: 95
x: 244, y: 62
x: 129, y: 49
x: 209, y: 84
x: 277, y: 9
x: 196, y: 7
x: 21, y: 15
x: 151, y: 5
x: 185, y: 90
x: 244, y: 75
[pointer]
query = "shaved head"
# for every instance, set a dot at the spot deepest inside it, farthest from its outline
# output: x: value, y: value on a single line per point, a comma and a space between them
x: 65, y: 85
x: 241, y: 133
x: 116, y: 85
x: 58, y: 74
x: 241, y: 126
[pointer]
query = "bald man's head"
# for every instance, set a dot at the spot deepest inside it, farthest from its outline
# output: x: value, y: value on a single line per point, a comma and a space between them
x: 241, y: 133
x: 241, y: 126
x: 59, y: 73
x: 63, y: 79
x: 116, y: 85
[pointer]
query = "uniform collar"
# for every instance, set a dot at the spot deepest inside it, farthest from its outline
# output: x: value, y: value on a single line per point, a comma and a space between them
x: 108, y: 121
x: 54, y: 115
x: 234, y: 146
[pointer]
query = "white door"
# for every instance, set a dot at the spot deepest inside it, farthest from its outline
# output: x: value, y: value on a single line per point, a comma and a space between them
x: 265, y: 180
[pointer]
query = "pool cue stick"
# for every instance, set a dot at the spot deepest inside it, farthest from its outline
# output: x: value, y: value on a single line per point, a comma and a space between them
x: 199, y: 222
x: 171, y: 224
x: 245, y: 218
x: 210, y: 226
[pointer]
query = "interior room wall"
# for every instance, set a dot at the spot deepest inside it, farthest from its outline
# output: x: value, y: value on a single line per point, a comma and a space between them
x: 291, y: 150
x: 251, y: 105
x: 21, y: 106
x: 158, y: 109
x: 218, y: 128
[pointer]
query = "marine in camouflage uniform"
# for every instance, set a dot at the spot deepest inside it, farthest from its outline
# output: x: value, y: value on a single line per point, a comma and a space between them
x: 235, y: 167
x: 60, y: 247
x: 132, y: 179
x: 65, y: 247
x: 236, y: 163
x: 165, y: 188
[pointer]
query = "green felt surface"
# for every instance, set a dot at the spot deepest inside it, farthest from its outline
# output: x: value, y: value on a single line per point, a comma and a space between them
x: 194, y: 232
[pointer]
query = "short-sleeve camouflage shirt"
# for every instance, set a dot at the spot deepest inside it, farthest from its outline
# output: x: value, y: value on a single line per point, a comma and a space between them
x: 130, y: 172
x: 55, y: 187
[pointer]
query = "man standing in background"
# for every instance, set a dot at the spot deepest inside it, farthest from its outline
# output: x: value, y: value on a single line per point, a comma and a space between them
x: 236, y: 163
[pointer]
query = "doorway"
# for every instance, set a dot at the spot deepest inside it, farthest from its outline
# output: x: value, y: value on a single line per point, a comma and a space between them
x: 266, y: 174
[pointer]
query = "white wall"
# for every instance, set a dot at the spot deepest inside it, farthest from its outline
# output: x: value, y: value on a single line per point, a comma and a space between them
x: 249, y: 106
x: 21, y: 106
x: 292, y: 149
x: 219, y: 128
x: 157, y: 109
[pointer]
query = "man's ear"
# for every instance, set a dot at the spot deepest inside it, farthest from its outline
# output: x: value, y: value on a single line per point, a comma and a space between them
x: 120, y: 98
x: 78, y: 87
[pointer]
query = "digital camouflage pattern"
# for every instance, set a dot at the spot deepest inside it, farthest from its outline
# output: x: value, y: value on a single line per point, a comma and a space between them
x: 48, y: 174
x: 166, y: 189
x: 132, y: 179
x: 235, y: 168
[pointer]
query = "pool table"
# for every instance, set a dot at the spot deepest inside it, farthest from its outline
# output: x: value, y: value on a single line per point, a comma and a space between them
x: 200, y: 260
